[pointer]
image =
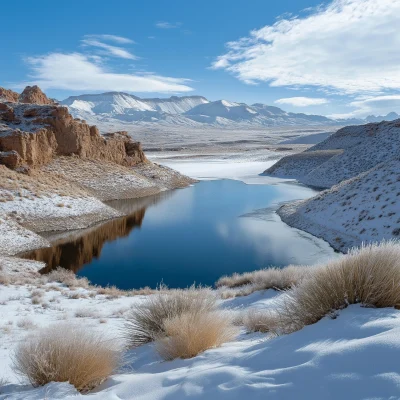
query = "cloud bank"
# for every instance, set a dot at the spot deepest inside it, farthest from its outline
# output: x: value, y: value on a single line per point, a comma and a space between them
x: 88, y: 71
x: 302, y: 101
x: 349, y: 46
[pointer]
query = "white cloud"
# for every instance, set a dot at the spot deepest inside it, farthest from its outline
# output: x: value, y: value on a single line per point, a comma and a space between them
x: 350, y: 46
x: 109, y: 49
x: 77, y: 71
x: 378, y: 105
x: 302, y: 101
x: 168, y: 25
x: 112, y: 38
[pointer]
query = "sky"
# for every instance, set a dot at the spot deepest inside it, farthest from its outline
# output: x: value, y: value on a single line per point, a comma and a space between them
x: 338, y: 58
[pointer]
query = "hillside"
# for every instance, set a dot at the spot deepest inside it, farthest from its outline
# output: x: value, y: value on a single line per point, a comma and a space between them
x: 195, y: 111
x: 360, y: 166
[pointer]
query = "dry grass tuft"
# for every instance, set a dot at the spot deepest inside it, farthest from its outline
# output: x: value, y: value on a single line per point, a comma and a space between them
x: 262, y: 321
x: 26, y: 323
x: 369, y: 275
x: 145, y: 322
x: 66, y: 277
x: 65, y: 353
x: 269, y: 278
x: 191, y: 333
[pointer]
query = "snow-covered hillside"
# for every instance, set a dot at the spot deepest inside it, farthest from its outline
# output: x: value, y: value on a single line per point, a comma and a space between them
x: 361, y: 166
x: 362, y: 209
x: 186, y: 111
x: 363, y: 147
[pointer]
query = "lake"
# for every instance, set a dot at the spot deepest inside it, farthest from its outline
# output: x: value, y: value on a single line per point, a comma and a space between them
x: 186, y: 236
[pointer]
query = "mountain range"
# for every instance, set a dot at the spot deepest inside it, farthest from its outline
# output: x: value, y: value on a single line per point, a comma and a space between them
x: 193, y: 111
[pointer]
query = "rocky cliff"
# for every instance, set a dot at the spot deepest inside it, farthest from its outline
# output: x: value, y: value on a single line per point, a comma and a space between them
x: 33, y: 134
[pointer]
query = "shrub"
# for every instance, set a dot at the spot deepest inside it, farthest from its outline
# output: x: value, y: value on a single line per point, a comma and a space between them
x: 67, y: 277
x: 145, y: 321
x: 193, y: 332
x: 65, y: 353
x: 369, y: 275
x: 262, y: 321
x: 269, y: 278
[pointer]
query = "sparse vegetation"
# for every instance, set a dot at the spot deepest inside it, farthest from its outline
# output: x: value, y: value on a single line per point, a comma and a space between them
x: 65, y: 353
x: 269, y: 278
x: 193, y: 332
x: 369, y: 275
x: 145, y: 322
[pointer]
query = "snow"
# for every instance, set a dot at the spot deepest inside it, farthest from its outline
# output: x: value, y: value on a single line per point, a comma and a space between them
x: 362, y: 209
x: 361, y: 166
x: 186, y: 110
x: 308, y: 139
x: 14, y: 238
x: 354, y: 356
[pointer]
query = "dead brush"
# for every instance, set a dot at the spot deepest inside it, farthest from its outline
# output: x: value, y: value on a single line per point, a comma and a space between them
x: 369, y: 275
x: 191, y: 333
x: 270, y: 278
x: 145, y: 321
x: 66, y: 353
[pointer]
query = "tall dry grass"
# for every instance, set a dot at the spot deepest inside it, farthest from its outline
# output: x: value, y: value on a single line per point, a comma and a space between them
x: 66, y: 353
x: 145, y: 321
x: 191, y: 333
x: 369, y: 275
x: 265, y: 321
x: 269, y: 278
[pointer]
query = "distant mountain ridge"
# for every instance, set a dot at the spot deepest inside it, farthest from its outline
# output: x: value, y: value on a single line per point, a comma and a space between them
x: 193, y: 111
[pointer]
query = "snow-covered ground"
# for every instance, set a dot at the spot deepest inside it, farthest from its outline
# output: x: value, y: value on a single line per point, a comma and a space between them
x: 354, y: 356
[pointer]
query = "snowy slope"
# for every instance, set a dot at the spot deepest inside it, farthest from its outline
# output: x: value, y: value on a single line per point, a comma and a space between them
x: 354, y: 356
x: 362, y: 209
x: 363, y: 147
x: 308, y: 139
x: 187, y: 111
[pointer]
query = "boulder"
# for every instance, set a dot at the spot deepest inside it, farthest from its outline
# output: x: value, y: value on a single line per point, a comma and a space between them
x: 10, y: 159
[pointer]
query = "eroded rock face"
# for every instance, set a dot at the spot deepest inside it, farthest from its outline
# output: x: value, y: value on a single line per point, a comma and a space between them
x: 39, y: 132
x: 8, y: 95
x: 10, y: 159
x: 33, y: 95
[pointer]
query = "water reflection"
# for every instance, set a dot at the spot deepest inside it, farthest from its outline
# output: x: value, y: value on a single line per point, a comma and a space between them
x: 73, y: 250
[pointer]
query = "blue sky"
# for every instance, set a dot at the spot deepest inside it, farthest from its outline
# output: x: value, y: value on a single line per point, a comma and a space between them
x: 334, y: 58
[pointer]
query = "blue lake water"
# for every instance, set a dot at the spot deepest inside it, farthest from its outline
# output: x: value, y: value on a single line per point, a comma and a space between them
x: 191, y: 235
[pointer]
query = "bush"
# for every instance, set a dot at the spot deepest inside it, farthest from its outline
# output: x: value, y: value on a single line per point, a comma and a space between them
x: 65, y: 353
x: 269, y: 278
x: 191, y: 333
x: 145, y: 322
x: 262, y: 321
x: 369, y: 275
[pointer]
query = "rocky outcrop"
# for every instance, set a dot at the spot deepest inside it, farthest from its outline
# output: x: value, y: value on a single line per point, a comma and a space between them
x: 11, y: 159
x: 39, y: 132
x: 8, y: 95
x: 33, y: 95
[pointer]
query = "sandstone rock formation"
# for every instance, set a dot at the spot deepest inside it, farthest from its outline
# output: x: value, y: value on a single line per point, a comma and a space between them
x: 8, y: 95
x: 39, y: 132
x: 33, y: 95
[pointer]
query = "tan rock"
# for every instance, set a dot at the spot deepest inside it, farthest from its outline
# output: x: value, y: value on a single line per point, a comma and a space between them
x: 33, y: 95
x: 10, y: 159
x: 8, y: 95
x: 40, y: 132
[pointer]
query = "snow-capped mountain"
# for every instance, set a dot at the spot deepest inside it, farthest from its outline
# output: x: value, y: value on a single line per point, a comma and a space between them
x: 190, y: 111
